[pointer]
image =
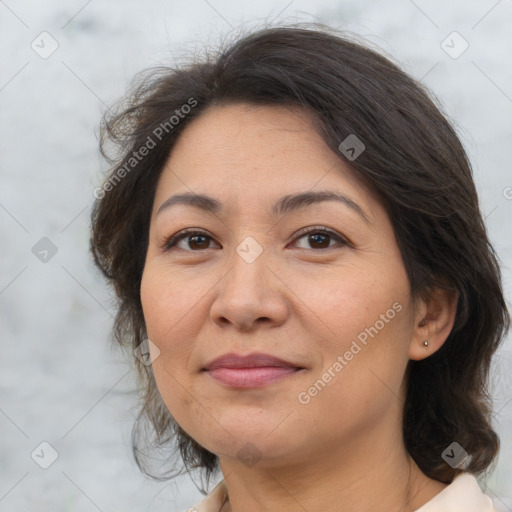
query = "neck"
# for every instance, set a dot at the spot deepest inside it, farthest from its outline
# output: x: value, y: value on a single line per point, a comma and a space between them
x: 365, y: 476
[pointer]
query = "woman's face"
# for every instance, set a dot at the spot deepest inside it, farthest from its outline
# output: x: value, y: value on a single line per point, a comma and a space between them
x: 319, y: 284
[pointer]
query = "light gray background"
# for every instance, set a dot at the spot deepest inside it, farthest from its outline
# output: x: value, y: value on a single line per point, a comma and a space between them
x: 59, y: 380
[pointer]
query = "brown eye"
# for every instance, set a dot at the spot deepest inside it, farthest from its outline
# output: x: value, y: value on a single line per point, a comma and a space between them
x: 190, y: 240
x: 318, y: 240
x: 321, y: 239
x: 198, y: 242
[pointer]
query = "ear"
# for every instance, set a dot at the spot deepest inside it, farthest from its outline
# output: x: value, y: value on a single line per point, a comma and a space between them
x: 433, y: 322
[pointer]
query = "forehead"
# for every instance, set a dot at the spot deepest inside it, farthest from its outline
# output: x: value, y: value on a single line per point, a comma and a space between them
x: 242, y: 153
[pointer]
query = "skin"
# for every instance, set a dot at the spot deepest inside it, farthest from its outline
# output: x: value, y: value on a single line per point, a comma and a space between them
x: 299, y: 301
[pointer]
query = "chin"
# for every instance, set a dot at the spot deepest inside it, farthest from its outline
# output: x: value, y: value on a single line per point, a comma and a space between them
x: 262, y: 443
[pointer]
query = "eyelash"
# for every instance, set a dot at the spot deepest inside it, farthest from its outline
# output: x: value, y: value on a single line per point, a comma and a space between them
x: 174, y: 239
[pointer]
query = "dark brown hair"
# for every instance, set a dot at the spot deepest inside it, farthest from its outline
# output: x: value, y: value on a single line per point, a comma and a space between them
x: 413, y: 162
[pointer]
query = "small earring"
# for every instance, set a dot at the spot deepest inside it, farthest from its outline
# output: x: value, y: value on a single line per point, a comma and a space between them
x: 425, y: 343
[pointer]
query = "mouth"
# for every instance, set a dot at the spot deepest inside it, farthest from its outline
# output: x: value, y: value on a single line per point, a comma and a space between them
x: 254, y: 370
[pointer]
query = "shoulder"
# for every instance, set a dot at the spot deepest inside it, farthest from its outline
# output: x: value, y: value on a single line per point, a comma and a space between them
x: 462, y: 495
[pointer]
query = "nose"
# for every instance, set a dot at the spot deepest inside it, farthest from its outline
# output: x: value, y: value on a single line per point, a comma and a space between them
x: 251, y: 295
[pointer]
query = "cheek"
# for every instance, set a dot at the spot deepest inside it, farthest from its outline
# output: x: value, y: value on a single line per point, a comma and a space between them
x: 162, y: 312
x: 348, y: 302
x: 168, y: 300
x: 150, y: 296
x: 167, y: 311
x: 366, y: 321
x: 161, y: 315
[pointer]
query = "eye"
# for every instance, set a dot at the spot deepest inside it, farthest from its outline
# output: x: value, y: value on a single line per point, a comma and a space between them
x: 320, y: 238
x: 195, y: 240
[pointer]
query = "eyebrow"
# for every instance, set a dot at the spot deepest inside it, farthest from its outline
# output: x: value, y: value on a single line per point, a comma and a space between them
x: 284, y: 205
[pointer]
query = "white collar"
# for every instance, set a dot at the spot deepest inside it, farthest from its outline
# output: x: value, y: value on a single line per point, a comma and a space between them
x: 462, y: 495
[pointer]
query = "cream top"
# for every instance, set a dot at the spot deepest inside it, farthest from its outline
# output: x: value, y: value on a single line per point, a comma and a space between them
x: 462, y: 495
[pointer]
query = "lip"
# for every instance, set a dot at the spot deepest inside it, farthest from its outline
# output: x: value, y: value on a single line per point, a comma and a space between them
x: 253, y: 370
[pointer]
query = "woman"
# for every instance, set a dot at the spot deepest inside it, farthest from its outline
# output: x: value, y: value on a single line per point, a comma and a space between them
x: 304, y: 276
